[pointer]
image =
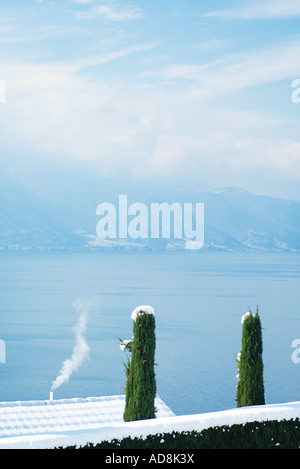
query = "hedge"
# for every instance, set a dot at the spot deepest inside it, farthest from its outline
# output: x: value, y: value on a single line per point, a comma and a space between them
x: 253, y: 435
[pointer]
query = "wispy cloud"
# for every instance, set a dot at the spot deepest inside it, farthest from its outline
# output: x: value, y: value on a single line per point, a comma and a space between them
x: 82, y: 2
x: 128, y: 118
x: 112, y: 13
x: 238, y: 71
x: 97, y: 60
x: 53, y: 110
x: 213, y: 44
x: 267, y: 9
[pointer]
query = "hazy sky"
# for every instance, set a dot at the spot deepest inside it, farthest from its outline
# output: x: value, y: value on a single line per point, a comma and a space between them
x: 195, y: 92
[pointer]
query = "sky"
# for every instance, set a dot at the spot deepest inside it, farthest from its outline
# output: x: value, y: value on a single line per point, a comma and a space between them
x: 177, y: 93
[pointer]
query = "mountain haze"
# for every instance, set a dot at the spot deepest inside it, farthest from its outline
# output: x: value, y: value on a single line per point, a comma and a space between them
x: 235, y: 220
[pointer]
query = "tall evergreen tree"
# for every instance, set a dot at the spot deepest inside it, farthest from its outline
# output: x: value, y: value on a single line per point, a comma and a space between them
x: 141, y: 383
x: 250, y: 389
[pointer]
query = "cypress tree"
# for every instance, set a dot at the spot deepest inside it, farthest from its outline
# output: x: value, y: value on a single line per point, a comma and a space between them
x: 141, y: 383
x: 250, y: 389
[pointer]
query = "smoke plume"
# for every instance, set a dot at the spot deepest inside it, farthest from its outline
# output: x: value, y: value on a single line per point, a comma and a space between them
x: 80, y: 351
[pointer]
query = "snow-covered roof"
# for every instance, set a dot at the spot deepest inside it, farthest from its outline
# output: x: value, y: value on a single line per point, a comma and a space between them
x: 74, y: 421
x: 36, y: 417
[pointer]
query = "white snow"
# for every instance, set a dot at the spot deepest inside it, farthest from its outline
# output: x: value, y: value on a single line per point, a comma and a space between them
x: 245, y: 316
x: 139, y: 310
x: 25, y: 421
x: 124, y: 343
x: 68, y: 422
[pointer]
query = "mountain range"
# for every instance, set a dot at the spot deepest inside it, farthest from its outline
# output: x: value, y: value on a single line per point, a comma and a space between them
x: 235, y: 220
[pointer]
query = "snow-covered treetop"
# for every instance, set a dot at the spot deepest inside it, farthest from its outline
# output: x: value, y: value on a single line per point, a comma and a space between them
x: 245, y: 316
x: 144, y: 309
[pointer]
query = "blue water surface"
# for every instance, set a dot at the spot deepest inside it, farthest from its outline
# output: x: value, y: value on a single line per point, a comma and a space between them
x: 199, y: 299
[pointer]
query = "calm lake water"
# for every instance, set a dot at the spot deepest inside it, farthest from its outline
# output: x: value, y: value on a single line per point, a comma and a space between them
x: 199, y: 299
